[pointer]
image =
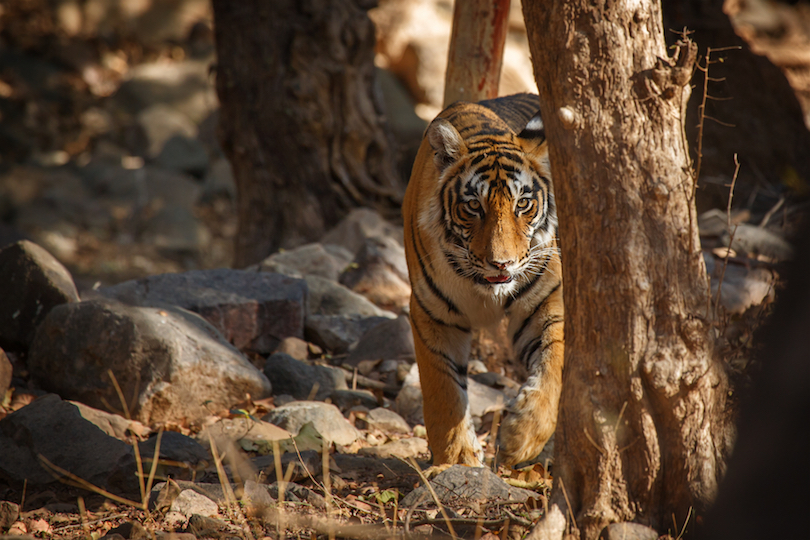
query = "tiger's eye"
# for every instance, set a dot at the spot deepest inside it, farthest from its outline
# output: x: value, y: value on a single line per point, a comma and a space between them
x: 473, y: 205
x: 524, y: 203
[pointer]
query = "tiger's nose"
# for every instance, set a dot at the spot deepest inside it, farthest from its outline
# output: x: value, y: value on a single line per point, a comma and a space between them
x: 500, y: 265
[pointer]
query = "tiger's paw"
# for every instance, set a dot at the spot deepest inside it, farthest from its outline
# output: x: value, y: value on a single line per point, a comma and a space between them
x: 525, y: 430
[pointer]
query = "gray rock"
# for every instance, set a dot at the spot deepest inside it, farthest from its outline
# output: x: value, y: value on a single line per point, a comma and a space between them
x: 388, y: 421
x: 483, y: 399
x: 177, y: 230
x: 34, y: 282
x: 756, y: 240
x: 389, y: 340
x: 346, y: 399
x: 182, y: 153
x: 9, y: 512
x: 190, y: 502
x: 497, y: 381
x: 160, y: 123
x: 209, y: 527
x: 409, y: 398
x: 297, y: 348
x: 219, y: 181
x: 175, y: 448
x: 183, y: 87
x: 169, y: 362
x: 322, y: 260
x: 337, y: 333
x: 329, y: 298
x: 324, y: 416
x: 256, y: 496
x: 460, y: 483
x: 402, y: 448
x: 628, y: 531
x: 253, y: 310
x: 56, y: 430
x: 379, y: 272
x: 241, y: 428
x: 361, y: 223
x: 6, y: 372
x: 297, y: 378
x: 742, y: 287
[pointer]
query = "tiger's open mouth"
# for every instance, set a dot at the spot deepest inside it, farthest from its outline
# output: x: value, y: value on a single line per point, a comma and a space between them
x: 499, y: 279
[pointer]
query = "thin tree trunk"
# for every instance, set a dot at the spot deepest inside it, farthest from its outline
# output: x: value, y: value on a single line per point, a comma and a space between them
x: 476, y: 50
x: 643, y: 429
x: 300, y: 120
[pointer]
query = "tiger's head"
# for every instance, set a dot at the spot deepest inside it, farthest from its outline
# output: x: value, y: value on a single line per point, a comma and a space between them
x: 496, y: 204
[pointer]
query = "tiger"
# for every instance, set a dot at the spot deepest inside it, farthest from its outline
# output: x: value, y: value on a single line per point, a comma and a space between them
x: 481, y: 245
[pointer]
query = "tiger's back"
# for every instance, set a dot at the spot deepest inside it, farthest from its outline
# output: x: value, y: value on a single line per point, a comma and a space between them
x: 480, y: 241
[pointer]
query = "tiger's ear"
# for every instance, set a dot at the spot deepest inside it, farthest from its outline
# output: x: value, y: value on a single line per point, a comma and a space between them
x: 448, y: 146
x: 534, y: 134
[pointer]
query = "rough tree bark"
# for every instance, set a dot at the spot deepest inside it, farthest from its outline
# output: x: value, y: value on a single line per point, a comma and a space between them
x: 643, y: 430
x: 300, y: 120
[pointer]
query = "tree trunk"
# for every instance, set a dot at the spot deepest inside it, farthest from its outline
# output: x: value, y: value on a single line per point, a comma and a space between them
x: 300, y: 120
x: 476, y: 50
x: 643, y: 429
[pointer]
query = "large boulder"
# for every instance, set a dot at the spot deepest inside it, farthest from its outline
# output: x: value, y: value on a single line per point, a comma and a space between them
x: 379, y: 272
x: 34, y: 282
x: 170, y: 363
x: 253, y: 310
x: 55, y: 430
x: 323, y: 260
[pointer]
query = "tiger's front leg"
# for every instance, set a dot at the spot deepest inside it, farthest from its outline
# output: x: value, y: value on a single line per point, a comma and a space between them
x: 538, y: 343
x: 441, y: 353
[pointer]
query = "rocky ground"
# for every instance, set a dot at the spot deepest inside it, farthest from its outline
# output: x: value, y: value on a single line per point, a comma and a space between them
x: 281, y: 399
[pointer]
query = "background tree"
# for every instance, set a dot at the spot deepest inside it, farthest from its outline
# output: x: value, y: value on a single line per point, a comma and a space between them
x: 643, y: 430
x: 300, y: 120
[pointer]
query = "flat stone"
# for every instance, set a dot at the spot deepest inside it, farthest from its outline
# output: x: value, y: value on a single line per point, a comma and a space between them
x: 484, y: 399
x: 387, y: 421
x: 329, y: 298
x: 190, y: 502
x: 322, y: 260
x: 34, y: 282
x: 742, y: 287
x: 298, y: 379
x: 460, y: 483
x: 237, y: 429
x: 403, y: 448
x: 756, y: 240
x: 628, y: 531
x: 389, y: 340
x: 326, y: 418
x: 170, y: 363
x: 113, y: 425
x: 253, y: 310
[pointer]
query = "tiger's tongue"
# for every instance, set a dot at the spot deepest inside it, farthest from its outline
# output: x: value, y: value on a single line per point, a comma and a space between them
x: 498, y: 279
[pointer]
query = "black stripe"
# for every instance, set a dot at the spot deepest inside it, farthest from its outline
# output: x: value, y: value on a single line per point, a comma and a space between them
x: 525, y: 322
x: 452, y: 372
x: 431, y: 285
x: 435, y: 318
x: 531, y: 348
x: 529, y: 285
